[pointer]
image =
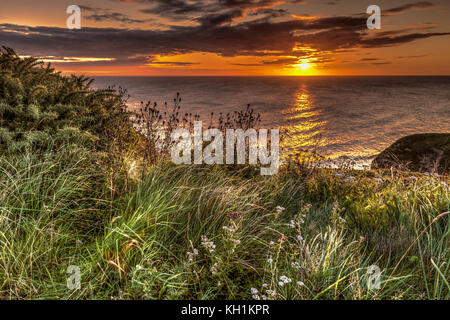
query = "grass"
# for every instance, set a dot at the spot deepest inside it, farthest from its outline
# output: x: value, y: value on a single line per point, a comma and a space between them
x: 80, y: 187
x: 215, y: 232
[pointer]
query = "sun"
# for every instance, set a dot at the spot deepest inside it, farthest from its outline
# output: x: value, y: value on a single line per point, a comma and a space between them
x: 304, y: 66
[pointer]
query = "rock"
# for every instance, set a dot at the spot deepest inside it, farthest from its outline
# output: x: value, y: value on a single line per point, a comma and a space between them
x: 429, y: 152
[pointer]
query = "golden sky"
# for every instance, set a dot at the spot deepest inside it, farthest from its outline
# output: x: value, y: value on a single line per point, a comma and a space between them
x: 232, y: 37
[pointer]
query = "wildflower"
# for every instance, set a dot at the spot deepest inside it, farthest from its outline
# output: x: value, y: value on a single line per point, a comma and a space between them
x: 291, y: 224
x: 229, y: 229
x: 263, y: 297
x: 236, y: 242
x: 214, y: 268
x: 271, y: 243
x: 255, y: 296
x: 254, y: 291
x: 191, y: 255
x: 280, y: 283
x: 338, y: 174
x: 270, y: 260
x: 413, y: 178
x: 295, y: 265
x: 138, y: 267
x: 265, y: 285
x: 444, y: 184
x: 299, y: 237
x: 271, y: 293
x: 280, y: 209
x: 207, y: 244
x: 307, y: 206
x: 300, y: 283
x: 285, y: 279
x: 378, y: 180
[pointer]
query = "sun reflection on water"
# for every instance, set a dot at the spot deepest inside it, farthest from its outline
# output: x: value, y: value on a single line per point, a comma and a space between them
x: 303, y: 125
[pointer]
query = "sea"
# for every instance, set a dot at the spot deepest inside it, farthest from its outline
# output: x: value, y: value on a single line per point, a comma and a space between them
x: 341, y: 118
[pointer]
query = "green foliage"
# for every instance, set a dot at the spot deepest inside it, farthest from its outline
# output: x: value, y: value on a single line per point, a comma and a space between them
x: 38, y: 105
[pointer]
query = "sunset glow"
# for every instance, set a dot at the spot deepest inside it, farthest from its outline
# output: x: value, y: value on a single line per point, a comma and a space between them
x: 257, y: 37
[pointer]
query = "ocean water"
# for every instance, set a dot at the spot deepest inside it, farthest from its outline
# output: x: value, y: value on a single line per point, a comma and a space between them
x: 344, y: 117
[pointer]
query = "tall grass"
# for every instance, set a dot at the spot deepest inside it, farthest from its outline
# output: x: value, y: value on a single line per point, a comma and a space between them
x: 202, y: 232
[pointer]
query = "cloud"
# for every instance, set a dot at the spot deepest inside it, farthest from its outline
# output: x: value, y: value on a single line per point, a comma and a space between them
x: 185, y: 10
x: 102, y: 15
x: 396, y: 40
x: 115, y: 16
x: 417, y: 6
x: 220, y: 18
x: 217, y: 32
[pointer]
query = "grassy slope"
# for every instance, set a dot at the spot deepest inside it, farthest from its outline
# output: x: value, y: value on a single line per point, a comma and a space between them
x: 196, y: 232
x: 141, y: 245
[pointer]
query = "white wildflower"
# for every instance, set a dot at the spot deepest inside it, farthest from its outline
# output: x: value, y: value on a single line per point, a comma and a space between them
x: 254, y: 291
x: 229, y: 229
x: 300, y: 283
x: 280, y: 209
x: 214, y: 268
x: 271, y: 292
x: 285, y: 279
x: 207, y: 244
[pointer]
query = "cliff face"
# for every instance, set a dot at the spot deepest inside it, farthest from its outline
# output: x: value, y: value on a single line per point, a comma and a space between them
x: 428, y: 152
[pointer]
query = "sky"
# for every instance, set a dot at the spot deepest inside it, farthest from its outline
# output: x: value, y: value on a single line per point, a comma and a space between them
x: 232, y: 37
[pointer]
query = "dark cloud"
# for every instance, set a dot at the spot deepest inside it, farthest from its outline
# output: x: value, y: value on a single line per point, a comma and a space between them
x: 182, y: 9
x: 396, y: 40
x: 102, y: 15
x: 220, y: 18
x: 215, y: 33
x: 171, y: 7
x: 114, y: 16
x: 409, y: 6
